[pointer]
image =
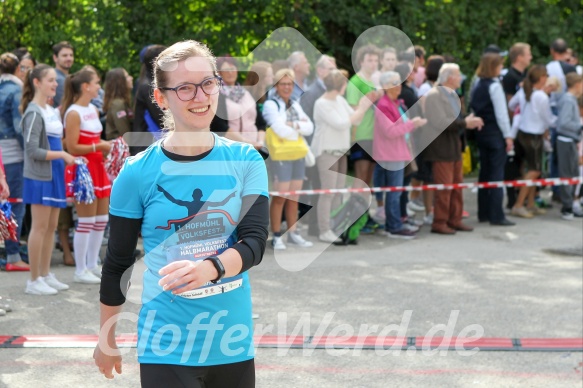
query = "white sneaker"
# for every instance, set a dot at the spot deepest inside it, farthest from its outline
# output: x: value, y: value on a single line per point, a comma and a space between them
x: 296, y: 239
x: 569, y: 216
x: 428, y: 220
x: 87, y: 278
x: 329, y: 237
x: 52, y: 281
x: 277, y: 244
x: 379, y: 215
x: 39, y: 287
x: 414, y: 222
x: 416, y: 206
x: 96, y: 271
x: 410, y: 213
x: 410, y: 228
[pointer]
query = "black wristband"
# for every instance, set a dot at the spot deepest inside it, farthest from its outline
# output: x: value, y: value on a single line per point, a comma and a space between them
x: 218, y: 266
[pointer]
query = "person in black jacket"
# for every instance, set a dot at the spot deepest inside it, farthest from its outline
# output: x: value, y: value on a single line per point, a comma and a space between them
x: 148, y: 116
x: 494, y: 139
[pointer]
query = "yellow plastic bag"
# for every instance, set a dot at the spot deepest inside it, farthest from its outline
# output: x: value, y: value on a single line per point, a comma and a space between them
x: 283, y: 149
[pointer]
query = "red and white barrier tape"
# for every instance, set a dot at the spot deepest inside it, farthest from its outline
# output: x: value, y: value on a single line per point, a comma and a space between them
x: 470, y: 185
x: 480, y: 185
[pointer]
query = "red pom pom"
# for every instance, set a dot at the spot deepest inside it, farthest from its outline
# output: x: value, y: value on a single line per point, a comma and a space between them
x: 114, y: 162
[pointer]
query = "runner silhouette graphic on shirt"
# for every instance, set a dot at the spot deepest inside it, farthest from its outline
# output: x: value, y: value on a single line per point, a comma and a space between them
x: 196, y: 205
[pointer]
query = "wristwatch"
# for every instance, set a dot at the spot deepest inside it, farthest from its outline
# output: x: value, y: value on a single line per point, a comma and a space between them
x: 218, y: 266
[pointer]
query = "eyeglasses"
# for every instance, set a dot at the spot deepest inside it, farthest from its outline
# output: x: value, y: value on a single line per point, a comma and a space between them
x: 187, y: 91
x: 24, y: 69
x: 285, y: 84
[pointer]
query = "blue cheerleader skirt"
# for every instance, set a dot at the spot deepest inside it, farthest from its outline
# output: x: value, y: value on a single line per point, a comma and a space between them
x: 48, y: 193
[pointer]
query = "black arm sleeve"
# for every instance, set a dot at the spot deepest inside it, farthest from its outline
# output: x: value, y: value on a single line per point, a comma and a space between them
x: 252, y: 230
x: 119, y: 257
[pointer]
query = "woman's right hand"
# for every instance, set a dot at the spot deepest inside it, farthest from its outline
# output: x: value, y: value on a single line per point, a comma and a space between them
x: 418, y: 122
x: 104, y: 146
x: 108, y: 360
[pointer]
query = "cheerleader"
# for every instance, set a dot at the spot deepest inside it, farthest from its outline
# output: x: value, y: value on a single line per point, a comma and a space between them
x: 83, y: 138
x: 44, y: 175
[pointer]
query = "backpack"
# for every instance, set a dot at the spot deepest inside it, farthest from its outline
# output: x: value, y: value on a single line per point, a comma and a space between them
x: 349, y: 219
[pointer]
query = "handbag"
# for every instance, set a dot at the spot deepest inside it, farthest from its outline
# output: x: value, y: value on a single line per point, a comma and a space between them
x: 283, y: 149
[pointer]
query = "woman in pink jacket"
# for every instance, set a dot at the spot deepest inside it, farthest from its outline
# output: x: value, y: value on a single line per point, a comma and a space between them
x: 390, y: 149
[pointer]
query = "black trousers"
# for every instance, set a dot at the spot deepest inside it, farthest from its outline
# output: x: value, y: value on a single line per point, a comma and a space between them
x: 492, y: 161
x: 236, y: 375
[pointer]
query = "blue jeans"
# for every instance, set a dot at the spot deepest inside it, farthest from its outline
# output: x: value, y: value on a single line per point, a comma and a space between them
x: 393, y: 199
x: 405, y: 196
x: 14, y: 178
x: 379, y: 180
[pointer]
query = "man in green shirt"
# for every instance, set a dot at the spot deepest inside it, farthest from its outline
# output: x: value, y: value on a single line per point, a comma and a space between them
x: 361, y: 84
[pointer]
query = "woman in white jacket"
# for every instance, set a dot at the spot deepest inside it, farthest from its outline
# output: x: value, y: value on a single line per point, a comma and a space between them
x: 287, y: 119
x: 333, y: 118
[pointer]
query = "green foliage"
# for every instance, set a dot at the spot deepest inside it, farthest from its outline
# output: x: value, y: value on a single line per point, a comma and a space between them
x: 109, y: 33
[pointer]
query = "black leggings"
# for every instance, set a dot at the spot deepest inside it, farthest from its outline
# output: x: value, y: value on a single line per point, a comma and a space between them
x: 237, y: 375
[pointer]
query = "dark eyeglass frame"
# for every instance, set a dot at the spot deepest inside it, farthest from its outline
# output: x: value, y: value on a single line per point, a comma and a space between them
x: 196, y: 86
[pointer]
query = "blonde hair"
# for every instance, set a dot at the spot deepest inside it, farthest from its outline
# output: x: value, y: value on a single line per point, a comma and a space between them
x: 284, y: 73
x: 554, y: 82
x: 168, y: 59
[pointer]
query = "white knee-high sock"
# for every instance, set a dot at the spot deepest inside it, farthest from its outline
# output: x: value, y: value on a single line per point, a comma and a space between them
x: 95, y: 239
x: 81, y: 242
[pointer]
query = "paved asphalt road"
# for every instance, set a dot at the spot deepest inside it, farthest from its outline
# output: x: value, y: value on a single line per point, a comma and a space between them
x: 519, y: 282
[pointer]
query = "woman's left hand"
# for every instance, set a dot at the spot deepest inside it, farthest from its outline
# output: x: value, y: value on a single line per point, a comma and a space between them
x: 185, y: 275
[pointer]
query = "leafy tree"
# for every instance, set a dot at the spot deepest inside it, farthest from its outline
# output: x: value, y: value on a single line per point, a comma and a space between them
x: 109, y: 33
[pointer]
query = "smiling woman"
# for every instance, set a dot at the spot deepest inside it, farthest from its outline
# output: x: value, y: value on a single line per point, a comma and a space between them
x: 202, y: 210
x: 83, y: 138
x: 44, y: 175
